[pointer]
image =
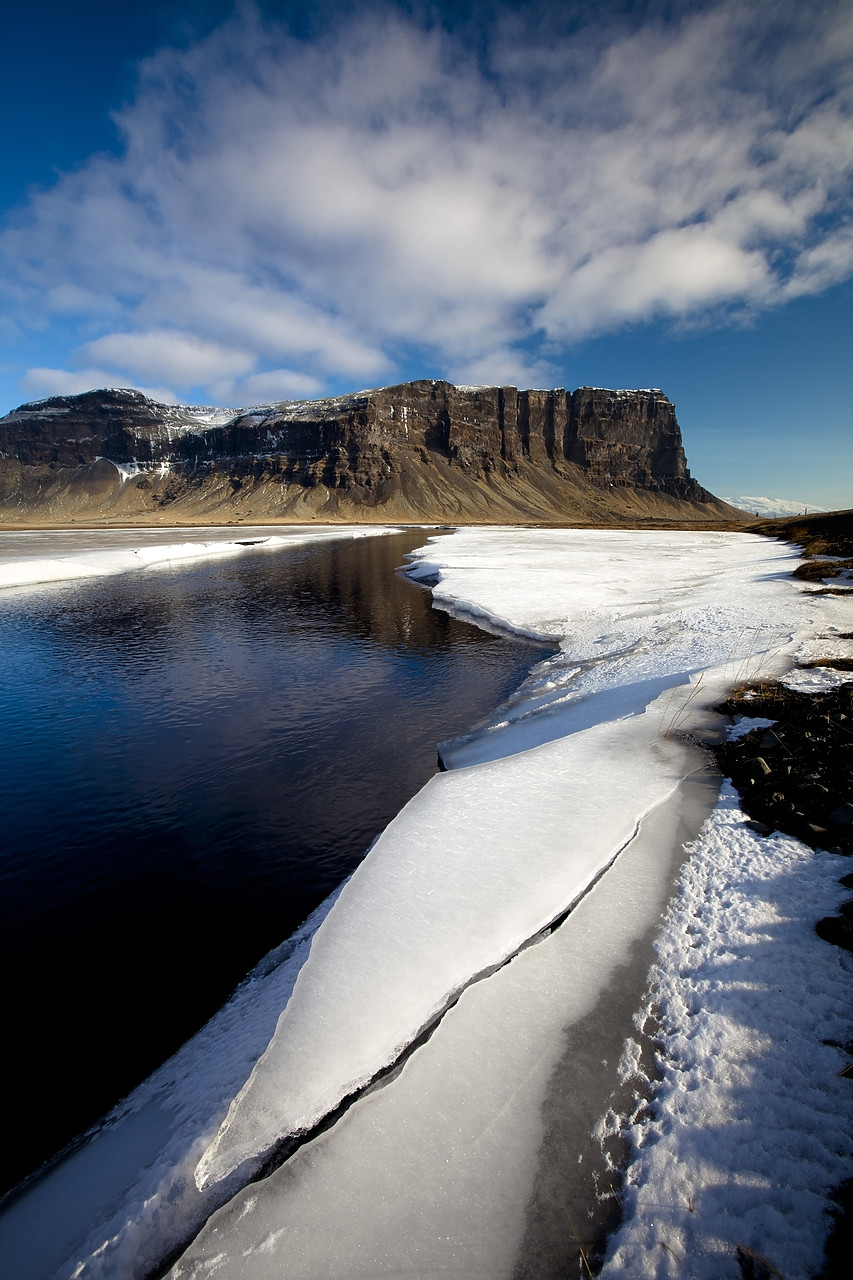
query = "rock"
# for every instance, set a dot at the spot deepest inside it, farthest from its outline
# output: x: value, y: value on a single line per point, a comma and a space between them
x: 807, y: 787
x: 836, y: 929
x: 422, y: 449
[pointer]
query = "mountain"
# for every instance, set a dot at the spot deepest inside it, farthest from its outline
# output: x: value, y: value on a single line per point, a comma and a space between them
x: 771, y: 506
x: 421, y: 451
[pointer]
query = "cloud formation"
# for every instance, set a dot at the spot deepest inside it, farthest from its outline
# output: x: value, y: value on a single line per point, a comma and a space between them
x: 289, y: 214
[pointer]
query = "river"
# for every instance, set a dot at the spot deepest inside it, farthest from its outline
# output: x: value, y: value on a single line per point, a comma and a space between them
x: 192, y: 758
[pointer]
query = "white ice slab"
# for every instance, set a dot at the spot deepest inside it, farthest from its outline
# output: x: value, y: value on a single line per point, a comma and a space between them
x: 432, y: 1175
x: 454, y: 886
x: 632, y: 612
x: 435, y: 1173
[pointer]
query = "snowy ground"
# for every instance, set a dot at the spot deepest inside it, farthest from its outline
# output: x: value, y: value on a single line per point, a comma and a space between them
x: 753, y: 1123
x: 576, y: 797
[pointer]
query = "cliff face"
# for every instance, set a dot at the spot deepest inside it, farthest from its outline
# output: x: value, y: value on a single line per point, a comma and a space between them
x: 422, y: 450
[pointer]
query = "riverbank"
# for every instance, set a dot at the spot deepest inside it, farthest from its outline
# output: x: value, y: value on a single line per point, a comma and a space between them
x: 762, y: 888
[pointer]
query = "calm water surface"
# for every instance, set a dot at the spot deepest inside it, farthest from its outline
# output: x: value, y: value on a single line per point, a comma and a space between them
x: 191, y: 759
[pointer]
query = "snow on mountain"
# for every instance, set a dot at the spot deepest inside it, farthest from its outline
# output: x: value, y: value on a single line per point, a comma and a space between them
x: 771, y: 506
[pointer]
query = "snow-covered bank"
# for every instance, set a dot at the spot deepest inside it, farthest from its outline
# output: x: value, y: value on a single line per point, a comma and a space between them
x: 438, y: 1169
x: 457, y: 884
x: 35, y: 557
x: 753, y: 1126
x: 487, y: 856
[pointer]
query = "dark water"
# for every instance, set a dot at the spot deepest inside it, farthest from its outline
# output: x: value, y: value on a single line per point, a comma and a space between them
x: 191, y: 759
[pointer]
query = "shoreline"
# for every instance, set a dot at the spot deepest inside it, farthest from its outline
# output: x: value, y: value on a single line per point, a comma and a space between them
x: 792, y: 774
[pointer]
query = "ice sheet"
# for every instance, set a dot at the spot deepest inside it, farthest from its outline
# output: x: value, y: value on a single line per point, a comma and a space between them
x: 487, y: 855
x: 453, y: 887
x: 432, y: 1174
x: 632, y: 612
x: 36, y: 557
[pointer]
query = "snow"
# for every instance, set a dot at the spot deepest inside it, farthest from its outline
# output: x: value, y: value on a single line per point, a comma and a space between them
x: 487, y: 855
x: 207, y: 416
x: 633, y: 613
x: 104, y: 553
x: 578, y: 793
x: 745, y: 724
x: 816, y: 680
x: 771, y: 507
x: 627, y: 391
x: 753, y: 1125
x: 432, y: 1174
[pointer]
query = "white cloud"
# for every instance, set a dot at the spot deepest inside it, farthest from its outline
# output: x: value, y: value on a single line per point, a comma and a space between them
x: 184, y: 359
x: 674, y: 272
x: 505, y: 368
x: 39, y: 384
x: 262, y: 388
x: 824, y: 264
x: 325, y: 208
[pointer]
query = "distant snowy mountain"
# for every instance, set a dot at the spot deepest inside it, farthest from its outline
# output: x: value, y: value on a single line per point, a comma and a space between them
x: 771, y: 506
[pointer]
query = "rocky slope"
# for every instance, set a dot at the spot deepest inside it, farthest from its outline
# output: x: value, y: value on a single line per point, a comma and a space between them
x: 419, y: 451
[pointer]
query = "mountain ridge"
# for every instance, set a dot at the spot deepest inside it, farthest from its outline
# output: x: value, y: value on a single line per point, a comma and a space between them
x: 422, y: 450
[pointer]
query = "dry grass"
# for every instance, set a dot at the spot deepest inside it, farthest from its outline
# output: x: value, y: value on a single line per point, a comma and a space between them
x: 830, y: 534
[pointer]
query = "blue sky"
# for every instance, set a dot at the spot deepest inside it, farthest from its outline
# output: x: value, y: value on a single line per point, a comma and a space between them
x: 222, y: 204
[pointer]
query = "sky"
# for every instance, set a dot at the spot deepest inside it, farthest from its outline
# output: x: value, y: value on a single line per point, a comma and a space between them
x: 229, y: 204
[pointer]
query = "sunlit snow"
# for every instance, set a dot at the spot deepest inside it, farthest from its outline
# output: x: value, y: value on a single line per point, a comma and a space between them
x: 431, y: 1173
x: 488, y: 855
x: 771, y: 507
x: 753, y: 1124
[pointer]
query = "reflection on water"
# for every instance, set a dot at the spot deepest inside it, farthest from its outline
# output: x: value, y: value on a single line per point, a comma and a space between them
x: 192, y: 758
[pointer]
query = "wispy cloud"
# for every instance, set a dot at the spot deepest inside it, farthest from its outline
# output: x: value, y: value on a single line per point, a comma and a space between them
x: 286, y: 213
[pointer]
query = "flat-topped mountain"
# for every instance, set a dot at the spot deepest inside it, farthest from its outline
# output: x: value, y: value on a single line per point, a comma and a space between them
x: 423, y: 450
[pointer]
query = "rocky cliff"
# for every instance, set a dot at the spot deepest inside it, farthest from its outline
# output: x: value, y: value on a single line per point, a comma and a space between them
x: 419, y: 451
